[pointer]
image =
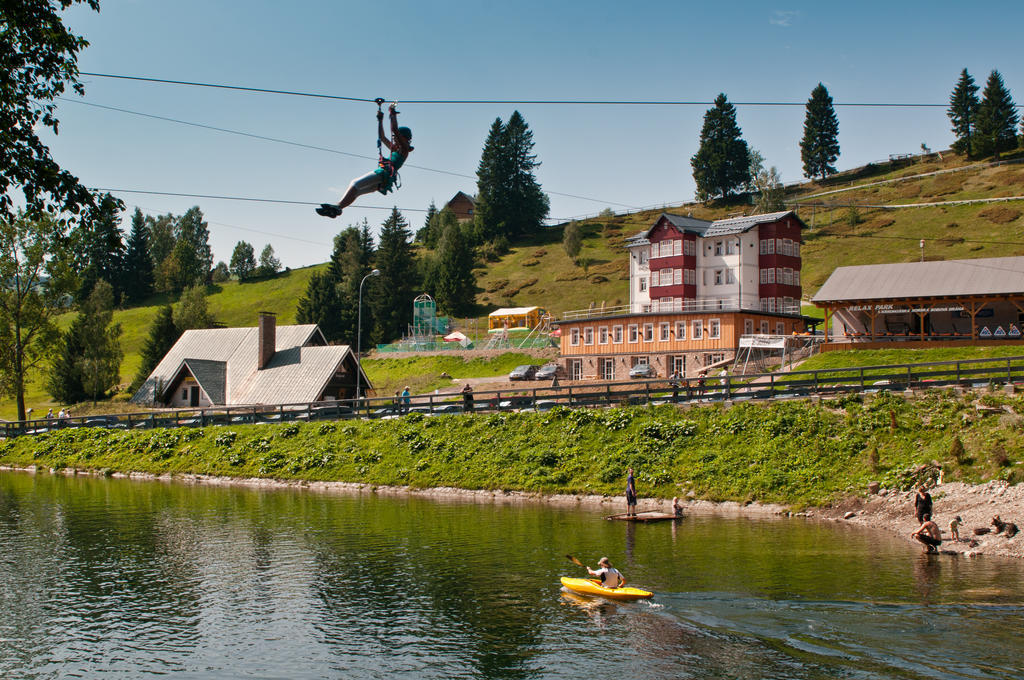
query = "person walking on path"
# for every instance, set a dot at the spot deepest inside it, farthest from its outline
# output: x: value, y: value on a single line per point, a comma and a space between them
x: 406, y: 399
x: 674, y: 382
x: 928, y: 534
x: 467, y: 398
x: 922, y: 503
x: 630, y: 493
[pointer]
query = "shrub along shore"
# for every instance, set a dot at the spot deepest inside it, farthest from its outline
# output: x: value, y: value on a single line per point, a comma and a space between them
x: 794, y: 453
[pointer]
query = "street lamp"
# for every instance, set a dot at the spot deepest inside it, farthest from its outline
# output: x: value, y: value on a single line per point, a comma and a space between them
x: 359, y: 335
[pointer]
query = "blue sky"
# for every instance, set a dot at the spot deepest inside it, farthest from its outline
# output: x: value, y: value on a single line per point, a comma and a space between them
x: 893, y: 52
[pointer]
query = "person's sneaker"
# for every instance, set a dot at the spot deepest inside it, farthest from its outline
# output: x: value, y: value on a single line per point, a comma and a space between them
x: 328, y: 210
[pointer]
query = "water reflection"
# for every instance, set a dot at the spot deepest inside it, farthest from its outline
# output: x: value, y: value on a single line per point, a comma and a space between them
x: 119, y: 577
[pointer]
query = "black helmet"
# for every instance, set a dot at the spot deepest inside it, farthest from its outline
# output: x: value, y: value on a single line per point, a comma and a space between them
x: 405, y: 132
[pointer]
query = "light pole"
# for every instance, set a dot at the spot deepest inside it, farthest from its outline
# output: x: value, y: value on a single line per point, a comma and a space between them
x: 359, y: 335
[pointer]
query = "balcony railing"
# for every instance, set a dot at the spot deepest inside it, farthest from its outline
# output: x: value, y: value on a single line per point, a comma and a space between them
x: 658, y: 307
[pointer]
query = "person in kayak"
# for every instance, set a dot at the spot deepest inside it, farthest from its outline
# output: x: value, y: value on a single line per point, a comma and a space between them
x: 384, y: 178
x: 609, y: 575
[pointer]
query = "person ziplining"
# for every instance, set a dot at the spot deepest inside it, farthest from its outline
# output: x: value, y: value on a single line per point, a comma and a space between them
x: 385, y: 177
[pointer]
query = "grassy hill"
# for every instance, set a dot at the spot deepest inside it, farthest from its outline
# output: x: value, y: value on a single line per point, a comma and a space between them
x: 538, y: 272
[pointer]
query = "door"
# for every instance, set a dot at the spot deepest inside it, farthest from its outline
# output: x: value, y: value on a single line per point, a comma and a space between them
x: 608, y: 372
x: 576, y: 369
x: 193, y: 396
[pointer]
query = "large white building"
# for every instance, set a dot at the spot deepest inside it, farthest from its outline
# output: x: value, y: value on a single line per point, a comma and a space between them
x: 687, y: 264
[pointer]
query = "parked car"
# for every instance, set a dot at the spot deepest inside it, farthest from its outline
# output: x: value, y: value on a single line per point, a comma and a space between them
x: 105, y: 421
x: 548, y: 372
x: 642, y: 371
x: 524, y: 372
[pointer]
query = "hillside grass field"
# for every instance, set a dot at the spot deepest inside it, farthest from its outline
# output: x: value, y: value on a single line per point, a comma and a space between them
x: 538, y: 271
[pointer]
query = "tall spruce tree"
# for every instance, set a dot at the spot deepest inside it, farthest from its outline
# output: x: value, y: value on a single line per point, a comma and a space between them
x: 161, y: 243
x: 721, y: 165
x: 159, y: 341
x: 997, y: 118
x: 510, y: 202
x: 100, y: 361
x: 138, y: 266
x: 819, y: 147
x: 453, y: 279
x: 427, y: 233
x: 100, y: 246
x: 963, y: 113
x: 395, y: 289
x: 63, y: 380
x: 321, y: 305
x: 195, y: 258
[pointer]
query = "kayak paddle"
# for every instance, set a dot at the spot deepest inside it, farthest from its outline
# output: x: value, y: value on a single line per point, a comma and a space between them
x: 575, y: 561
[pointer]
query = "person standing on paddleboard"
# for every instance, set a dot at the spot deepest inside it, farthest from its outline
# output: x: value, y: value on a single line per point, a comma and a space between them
x: 609, y: 575
x: 630, y: 493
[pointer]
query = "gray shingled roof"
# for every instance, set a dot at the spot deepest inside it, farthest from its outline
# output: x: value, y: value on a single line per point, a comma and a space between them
x: 211, y: 376
x: 297, y: 372
x: 949, y: 278
x: 738, y: 225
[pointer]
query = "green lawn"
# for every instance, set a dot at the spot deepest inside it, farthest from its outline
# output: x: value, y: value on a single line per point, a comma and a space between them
x: 423, y: 374
x: 888, y: 357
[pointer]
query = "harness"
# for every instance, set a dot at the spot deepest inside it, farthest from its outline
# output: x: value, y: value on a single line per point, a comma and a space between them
x: 385, y: 166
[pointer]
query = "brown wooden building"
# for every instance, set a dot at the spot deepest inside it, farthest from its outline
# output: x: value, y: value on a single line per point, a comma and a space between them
x: 924, y: 303
x: 608, y: 346
x: 463, y: 206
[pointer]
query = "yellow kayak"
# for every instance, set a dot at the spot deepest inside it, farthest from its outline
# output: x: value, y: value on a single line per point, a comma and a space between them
x: 587, y: 586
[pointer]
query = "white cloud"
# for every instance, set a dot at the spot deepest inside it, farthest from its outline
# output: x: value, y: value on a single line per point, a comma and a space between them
x: 783, y: 17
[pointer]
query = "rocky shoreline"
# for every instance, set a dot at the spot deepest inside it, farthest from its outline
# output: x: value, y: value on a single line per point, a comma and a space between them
x: 888, y: 510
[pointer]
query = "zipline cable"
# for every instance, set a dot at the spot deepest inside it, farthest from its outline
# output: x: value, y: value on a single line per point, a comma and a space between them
x: 237, y: 198
x: 559, y: 102
x: 313, y: 147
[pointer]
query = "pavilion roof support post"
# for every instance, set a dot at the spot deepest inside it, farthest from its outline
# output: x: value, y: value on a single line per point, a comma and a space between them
x: 920, y: 315
x: 872, y: 314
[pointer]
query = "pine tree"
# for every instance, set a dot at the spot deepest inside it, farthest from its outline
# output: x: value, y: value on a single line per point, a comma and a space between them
x: 321, y: 305
x: 819, y: 147
x: 161, y: 243
x: 195, y: 259
x: 721, y: 165
x: 572, y: 240
x: 424, y: 234
x: 454, y: 281
x: 138, y: 266
x: 64, y: 381
x: 100, y: 246
x: 997, y: 118
x: 510, y: 202
x: 243, y: 261
x: 269, y: 265
x: 963, y: 113
x: 394, y: 291
x: 161, y: 338
x: 101, y: 356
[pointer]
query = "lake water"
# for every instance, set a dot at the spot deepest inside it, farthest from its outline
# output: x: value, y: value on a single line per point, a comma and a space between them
x: 135, y: 579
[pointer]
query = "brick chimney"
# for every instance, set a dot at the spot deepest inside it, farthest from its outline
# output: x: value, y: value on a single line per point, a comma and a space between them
x: 267, y: 339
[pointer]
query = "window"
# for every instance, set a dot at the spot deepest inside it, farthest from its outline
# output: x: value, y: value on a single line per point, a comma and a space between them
x: 718, y: 247
x: 680, y: 330
x: 608, y: 369
x: 677, y: 276
x: 654, y: 250
x: 780, y: 328
x: 588, y: 335
x: 718, y: 277
x: 778, y: 274
x: 730, y: 247
x: 764, y: 327
x: 714, y: 329
x: 648, y: 332
x: 764, y: 276
x: 639, y: 361
x: 643, y: 284
x: 764, y: 304
x: 655, y: 279
x: 617, y: 335
x: 677, y: 247
x: 778, y: 246
x: 666, y: 248
x: 796, y: 249
x: 634, y: 336
x: 184, y: 393
x: 664, y: 331
x: 574, y: 336
x: 771, y: 275
x: 602, y: 335
x: 771, y: 304
x: 690, y: 277
x: 689, y: 247
x: 643, y: 257
x: 796, y: 277
x: 698, y: 330
x: 768, y: 246
x: 729, y: 276
x: 748, y: 327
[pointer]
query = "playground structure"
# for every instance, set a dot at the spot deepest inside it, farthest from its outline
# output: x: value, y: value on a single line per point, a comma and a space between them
x: 422, y: 334
x: 519, y: 327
